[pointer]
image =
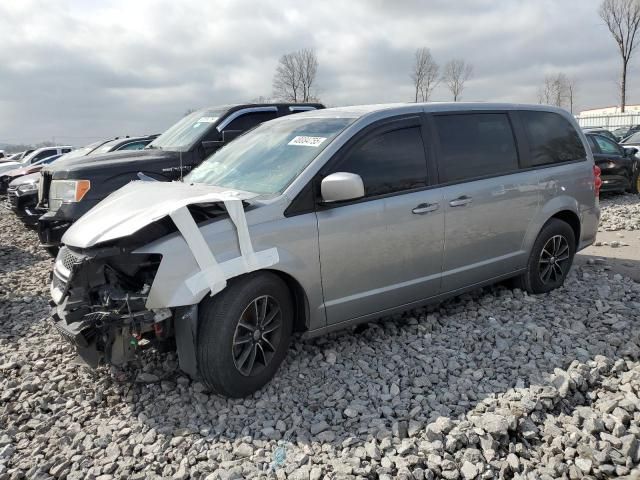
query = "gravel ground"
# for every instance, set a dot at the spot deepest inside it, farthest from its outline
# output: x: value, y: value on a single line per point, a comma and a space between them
x: 620, y: 212
x: 494, y: 384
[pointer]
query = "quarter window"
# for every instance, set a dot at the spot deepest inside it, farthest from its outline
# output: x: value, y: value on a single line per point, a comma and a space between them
x: 389, y: 162
x: 607, y: 146
x: 475, y: 145
x: 552, y: 138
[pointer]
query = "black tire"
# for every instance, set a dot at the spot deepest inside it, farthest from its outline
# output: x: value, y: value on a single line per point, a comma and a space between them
x: 219, y: 329
x: 537, y: 278
x: 635, y: 182
x: 53, y: 251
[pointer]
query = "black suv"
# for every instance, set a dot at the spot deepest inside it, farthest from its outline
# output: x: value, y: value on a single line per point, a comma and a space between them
x: 69, y: 191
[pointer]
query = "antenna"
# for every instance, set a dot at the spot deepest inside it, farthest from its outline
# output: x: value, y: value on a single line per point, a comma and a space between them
x: 181, y: 174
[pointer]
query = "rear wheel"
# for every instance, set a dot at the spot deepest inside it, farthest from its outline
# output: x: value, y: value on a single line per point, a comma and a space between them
x: 244, y: 333
x: 635, y: 182
x: 550, y: 259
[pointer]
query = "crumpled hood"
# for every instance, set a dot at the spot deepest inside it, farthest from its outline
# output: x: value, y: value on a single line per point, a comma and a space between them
x: 138, y: 204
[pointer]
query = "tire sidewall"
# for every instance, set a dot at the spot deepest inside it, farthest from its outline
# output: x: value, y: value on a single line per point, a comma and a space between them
x: 218, y: 318
x: 552, y: 228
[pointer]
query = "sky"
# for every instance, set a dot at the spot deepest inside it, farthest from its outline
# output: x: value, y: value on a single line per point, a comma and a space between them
x: 74, y: 71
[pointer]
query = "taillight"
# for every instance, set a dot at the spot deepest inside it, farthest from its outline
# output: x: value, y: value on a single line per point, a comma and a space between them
x: 597, y: 181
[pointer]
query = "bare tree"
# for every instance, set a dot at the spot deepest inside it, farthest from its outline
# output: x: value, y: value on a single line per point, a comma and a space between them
x: 425, y: 74
x: 260, y: 99
x: 558, y: 90
x: 456, y: 73
x: 295, y: 76
x: 572, y: 86
x: 622, y: 18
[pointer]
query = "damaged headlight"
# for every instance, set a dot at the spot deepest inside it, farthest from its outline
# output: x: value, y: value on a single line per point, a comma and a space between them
x: 28, y: 187
x: 67, y: 191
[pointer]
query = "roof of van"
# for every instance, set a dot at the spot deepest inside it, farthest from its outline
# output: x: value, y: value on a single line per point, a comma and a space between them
x: 357, y: 111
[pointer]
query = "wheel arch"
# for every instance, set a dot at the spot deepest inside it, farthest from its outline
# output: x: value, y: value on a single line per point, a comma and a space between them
x: 300, y: 300
x: 572, y: 219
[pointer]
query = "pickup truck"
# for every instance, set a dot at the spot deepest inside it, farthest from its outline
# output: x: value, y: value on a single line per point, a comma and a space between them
x: 68, y: 191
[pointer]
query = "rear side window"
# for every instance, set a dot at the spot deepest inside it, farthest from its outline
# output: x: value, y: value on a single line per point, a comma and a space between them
x: 475, y: 145
x: 389, y: 162
x: 134, y: 145
x: 607, y: 146
x: 552, y: 138
x: 249, y: 120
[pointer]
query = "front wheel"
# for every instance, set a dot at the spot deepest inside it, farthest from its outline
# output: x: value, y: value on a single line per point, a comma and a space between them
x: 550, y: 259
x: 244, y: 333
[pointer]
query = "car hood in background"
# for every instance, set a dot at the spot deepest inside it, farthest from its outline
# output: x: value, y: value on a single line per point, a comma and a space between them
x: 19, y: 172
x: 139, y: 204
x: 8, y: 166
x: 31, y: 178
x: 105, y: 161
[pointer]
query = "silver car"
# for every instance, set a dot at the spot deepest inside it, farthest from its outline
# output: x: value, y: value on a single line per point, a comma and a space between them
x: 318, y: 221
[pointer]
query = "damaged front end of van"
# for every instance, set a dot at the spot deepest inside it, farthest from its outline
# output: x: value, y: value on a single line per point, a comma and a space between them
x: 126, y: 281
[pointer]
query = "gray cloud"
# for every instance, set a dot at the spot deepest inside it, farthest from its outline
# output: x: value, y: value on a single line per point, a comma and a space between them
x: 78, y: 70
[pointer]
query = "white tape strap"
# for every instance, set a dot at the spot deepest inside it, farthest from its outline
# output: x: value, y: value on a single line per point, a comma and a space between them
x: 203, y: 255
x: 236, y: 212
x: 214, y: 275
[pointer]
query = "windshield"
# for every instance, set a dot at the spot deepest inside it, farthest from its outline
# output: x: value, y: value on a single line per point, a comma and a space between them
x: 268, y: 158
x: 635, y: 138
x: 183, y: 135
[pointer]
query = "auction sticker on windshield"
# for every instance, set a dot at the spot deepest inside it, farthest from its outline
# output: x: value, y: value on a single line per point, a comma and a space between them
x: 307, y: 141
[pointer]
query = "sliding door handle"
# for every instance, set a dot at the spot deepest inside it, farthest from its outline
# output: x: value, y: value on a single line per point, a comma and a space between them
x: 460, y: 201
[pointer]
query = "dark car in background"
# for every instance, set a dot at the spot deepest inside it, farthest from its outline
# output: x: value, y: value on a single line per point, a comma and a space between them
x: 22, y: 196
x: 619, y: 166
x: 69, y: 191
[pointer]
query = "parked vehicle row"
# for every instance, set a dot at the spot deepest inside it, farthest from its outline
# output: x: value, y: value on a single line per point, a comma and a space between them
x: 617, y: 160
x: 22, y: 192
x: 309, y: 223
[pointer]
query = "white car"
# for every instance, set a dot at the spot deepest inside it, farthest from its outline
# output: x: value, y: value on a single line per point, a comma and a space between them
x: 35, y: 156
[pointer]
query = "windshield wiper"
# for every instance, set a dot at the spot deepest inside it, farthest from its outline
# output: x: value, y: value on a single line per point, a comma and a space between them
x: 153, y: 147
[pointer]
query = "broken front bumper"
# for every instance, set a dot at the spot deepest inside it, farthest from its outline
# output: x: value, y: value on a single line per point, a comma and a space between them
x: 107, y: 330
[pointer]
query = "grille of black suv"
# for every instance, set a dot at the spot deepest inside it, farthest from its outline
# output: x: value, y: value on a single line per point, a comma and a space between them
x: 45, y: 184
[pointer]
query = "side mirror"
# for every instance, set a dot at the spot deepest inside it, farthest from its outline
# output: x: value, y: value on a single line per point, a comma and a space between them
x: 341, y: 186
x: 630, y: 151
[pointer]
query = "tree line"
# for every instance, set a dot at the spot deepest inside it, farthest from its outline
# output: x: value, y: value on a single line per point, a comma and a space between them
x: 295, y: 76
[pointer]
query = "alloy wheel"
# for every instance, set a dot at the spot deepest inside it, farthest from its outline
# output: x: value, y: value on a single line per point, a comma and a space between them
x: 554, y: 260
x: 257, y: 335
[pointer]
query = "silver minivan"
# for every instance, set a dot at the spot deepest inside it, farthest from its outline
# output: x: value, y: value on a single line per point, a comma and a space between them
x: 322, y: 220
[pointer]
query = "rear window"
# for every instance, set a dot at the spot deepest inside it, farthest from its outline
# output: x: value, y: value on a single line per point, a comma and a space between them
x: 475, y: 145
x: 552, y: 139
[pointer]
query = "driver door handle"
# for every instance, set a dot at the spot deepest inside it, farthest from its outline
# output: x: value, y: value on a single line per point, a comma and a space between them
x: 460, y: 201
x: 425, y: 208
